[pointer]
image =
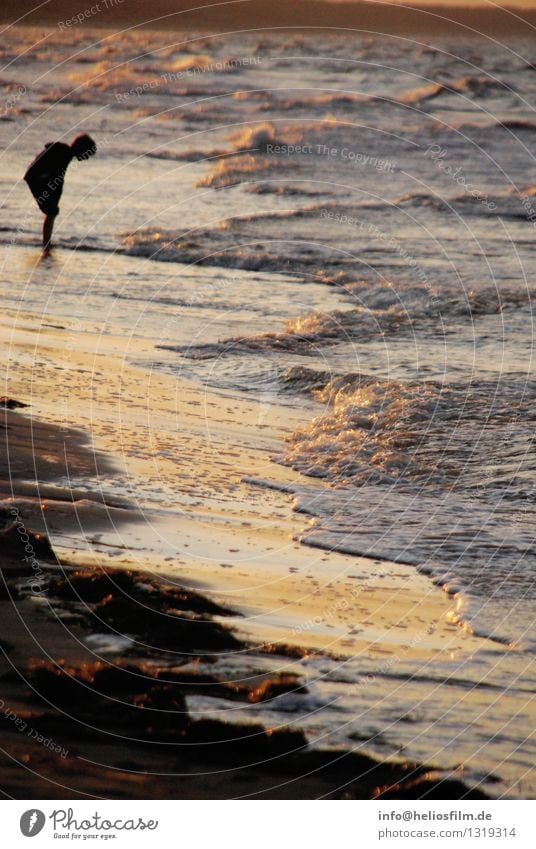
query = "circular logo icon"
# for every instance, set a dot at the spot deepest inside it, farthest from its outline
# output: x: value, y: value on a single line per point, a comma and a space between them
x: 31, y: 822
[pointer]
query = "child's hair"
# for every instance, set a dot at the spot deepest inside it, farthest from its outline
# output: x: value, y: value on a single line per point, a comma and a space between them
x: 83, y: 147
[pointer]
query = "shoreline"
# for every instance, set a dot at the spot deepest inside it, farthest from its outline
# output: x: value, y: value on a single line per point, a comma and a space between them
x: 108, y: 525
x: 201, y: 513
x: 64, y: 713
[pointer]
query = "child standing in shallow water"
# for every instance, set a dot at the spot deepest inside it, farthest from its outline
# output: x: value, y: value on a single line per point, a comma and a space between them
x: 46, y: 174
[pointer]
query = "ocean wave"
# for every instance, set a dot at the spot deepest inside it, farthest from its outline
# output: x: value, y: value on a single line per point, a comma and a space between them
x: 383, y: 311
x: 255, y: 138
x: 434, y: 475
x: 304, y: 380
x: 515, y: 205
x: 425, y: 433
x: 304, y: 335
x: 519, y: 124
x: 475, y: 86
x: 248, y: 159
x: 66, y: 95
x: 235, y: 170
x: 213, y: 248
x: 374, y: 238
x: 184, y: 156
x: 301, y: 189
x: 185, y: 66
x: 421, y: 302
x: 475, y: 550
x: 331, y: 100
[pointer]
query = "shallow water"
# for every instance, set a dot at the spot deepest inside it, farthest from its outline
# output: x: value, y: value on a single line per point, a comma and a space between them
x: 343, y: 229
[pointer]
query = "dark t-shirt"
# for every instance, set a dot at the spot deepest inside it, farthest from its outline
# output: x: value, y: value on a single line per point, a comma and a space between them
x: 45, y: 176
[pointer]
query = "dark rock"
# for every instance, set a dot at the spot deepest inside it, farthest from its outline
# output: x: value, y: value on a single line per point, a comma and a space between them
x: 94, y: 585
x: 252, y: 691
x: 425, y: 787
x: 57, y: 684
x: 285, y: 650
x: 19, y: 543
x: 163, y: 715
x: 274, y: 686
x: 11, y: 403
x: 165, y: 629
x: 162, y: 698
x: 246, y: 744
x: 119, y: 679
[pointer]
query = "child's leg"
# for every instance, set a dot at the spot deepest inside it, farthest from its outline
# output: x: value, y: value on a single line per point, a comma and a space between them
x: 48, y: 226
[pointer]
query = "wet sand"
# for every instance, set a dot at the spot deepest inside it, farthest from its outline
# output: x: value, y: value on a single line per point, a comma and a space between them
x: 176, y: 484
x: 73, y: 726
x: 107, y: 643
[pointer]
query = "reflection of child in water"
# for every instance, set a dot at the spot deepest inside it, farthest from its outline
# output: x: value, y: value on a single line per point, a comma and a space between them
x: 45, y: 177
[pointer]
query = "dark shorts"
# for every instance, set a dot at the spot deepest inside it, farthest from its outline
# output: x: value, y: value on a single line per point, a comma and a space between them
x: 49, y: 206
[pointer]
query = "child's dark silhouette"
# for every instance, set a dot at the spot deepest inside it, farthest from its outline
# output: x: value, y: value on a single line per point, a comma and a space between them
x: 46, y: 173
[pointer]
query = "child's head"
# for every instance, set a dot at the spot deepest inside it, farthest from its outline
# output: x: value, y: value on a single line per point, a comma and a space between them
x: 83, y: 147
